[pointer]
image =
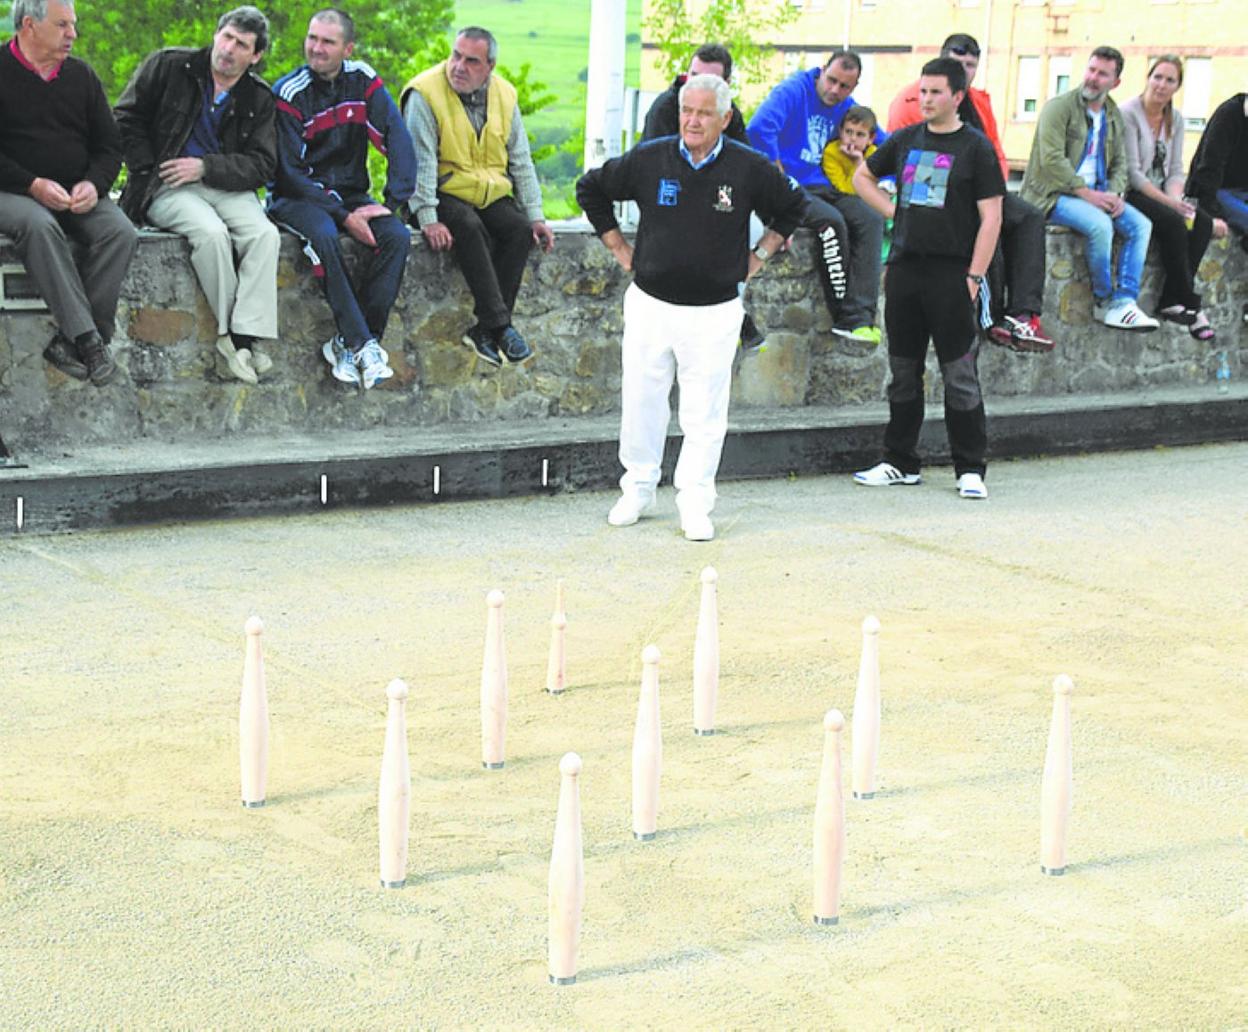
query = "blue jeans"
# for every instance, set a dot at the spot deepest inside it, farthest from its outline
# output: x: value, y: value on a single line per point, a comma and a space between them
x: 1100, y: 229
x: 1235, y: 208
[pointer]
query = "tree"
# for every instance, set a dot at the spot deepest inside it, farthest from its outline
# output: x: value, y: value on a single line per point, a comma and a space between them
x: 736, y: 24
x: 398, y: 39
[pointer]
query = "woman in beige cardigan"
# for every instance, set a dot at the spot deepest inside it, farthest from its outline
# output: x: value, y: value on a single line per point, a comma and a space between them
x: 1154, y: 142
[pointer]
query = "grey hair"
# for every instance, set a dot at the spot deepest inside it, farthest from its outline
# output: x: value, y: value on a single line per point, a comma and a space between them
x: 248, y: 19
x: 476, y: 32
x: 712, y: 84
x: 37, y: 9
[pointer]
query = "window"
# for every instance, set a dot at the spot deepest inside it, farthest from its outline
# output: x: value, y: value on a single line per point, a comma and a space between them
x: 1059, y: 74
x: 1194, y: 101
x: 862, y: 92
x: 1028, y: 88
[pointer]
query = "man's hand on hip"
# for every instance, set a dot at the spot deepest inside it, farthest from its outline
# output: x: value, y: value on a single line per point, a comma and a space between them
x: 438, y: 236
x: 179, y: 171
x: 83, y: 197
x: 620, y: 248
x: 543, y: 236
x: 50, y: 194
x: 357, y: 223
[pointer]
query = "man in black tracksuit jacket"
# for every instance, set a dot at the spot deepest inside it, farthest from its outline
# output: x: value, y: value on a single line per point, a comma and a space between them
x: 682, y: 314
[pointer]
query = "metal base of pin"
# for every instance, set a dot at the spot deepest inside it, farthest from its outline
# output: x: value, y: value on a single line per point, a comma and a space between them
x: 491, y: 766
x: 864, y: 795
x: 562, y: 981
x: 253, y: 806
x: 708, y: 731
x: 1054, y: 871
x: 646, y: 837
x: 826, y: 920
x: 393, y: 884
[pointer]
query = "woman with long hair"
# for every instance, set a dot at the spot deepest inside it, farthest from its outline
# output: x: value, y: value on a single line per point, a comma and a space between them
x: 1154, y: 140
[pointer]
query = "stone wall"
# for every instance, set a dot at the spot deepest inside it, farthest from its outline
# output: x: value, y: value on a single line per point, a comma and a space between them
x: 171, y: 386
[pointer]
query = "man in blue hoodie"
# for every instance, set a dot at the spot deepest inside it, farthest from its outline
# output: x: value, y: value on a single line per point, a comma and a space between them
x: 792, y: 127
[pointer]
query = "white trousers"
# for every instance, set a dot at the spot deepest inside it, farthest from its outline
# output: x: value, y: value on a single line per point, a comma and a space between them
x: 217, y: 223
x: 695, y: 345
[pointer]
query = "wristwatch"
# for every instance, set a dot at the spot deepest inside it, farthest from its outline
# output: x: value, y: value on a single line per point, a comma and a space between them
x: 761, y: 253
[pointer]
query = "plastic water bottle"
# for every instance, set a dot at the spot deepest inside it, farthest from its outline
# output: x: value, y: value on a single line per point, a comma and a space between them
x: 1224, y: 372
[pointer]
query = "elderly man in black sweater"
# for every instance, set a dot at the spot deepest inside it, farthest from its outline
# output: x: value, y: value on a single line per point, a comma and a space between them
x: 682, y: 313
x: 59, y: 154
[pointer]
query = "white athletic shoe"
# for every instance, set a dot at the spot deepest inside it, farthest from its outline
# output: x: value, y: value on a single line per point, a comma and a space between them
x: 971, y: 485
x: 1126, y: 315
x: 697, y: 526
x: 885, y: 475
x: 629, y: 508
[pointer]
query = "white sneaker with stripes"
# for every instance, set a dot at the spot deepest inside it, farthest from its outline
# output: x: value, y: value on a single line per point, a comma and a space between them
x: 1126, y: 315
x: 885, y: 475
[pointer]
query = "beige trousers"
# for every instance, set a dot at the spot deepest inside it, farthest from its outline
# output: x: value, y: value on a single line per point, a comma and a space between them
x: 218, y: 224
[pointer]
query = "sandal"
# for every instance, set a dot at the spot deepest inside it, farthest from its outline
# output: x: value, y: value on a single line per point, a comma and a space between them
x: 1177, y: 314
x: 1200, y: 328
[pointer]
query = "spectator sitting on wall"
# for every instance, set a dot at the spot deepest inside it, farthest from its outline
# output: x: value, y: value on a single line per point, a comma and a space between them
x: 1077, y: 175
x: 59, y: 154
x: 328, y: 112
x: 200, y: 141
x: 1155, y: 171
x: 1218, y: 178
x: 476, y: 187
x: 791, y: 127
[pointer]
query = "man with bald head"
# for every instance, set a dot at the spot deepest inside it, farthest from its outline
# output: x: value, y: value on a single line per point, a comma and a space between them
x: 477, y: 193
x: 59, y: 153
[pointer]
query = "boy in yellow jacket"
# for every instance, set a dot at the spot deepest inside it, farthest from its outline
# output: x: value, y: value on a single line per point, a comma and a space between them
x: 853, y: 144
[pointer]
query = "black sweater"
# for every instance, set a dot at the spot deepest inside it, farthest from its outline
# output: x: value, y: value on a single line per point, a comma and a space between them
x: 60, y: 129
x: 1221, y: 160
x: 692, y: 245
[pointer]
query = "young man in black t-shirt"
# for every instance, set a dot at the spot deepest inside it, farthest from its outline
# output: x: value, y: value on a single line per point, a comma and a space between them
x: 946, y: 222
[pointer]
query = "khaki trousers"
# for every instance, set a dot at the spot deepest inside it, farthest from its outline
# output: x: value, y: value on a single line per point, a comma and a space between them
x: 219, y: 224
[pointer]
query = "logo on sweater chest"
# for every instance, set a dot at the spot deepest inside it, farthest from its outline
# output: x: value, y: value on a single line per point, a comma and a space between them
x: 723, y: 198
x: 669, y: 193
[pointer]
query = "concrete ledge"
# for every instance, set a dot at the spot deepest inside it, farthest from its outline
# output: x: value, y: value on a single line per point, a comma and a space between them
x: 153, y: 483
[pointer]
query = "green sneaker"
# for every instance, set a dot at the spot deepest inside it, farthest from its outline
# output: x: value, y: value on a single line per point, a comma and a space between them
x: 862, y: 334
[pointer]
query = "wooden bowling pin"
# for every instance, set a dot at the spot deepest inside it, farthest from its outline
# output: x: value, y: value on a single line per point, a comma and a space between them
x: 253, y: 719
x: 706, y: 657
x: 647, y: 749
x: 566, y: 886
x: 829, y: 824
x: 1057, y: 788
x: 556, y: 672
x: 866, y: 743
x: 494, y: 686
x: 394, y: 790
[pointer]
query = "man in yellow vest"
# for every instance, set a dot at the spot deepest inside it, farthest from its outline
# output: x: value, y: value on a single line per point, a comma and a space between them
x: 476, y: 188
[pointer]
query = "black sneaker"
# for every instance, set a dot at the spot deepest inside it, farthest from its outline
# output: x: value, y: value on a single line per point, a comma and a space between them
x: 513, y: 346
x: 100, y: 365
x: 752, y: 338
x: 481, y: 341
x: 62, y: 354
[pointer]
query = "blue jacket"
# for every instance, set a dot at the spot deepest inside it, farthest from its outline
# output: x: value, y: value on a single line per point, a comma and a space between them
x: 323, y: 132
x: 794, y: 125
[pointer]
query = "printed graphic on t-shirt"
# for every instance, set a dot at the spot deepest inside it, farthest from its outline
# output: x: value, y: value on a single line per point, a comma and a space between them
x: 925, y: 179
x: 818, y: 131
x: 669, y: 191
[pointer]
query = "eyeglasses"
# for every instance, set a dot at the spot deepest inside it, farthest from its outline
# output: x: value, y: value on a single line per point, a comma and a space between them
x: 964, y: 51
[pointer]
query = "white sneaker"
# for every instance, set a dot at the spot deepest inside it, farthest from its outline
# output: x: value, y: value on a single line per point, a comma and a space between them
x: 697, y: 526
x: 375, y: 362
x: 971, y: 485
x: 885, y: 475
x: 1126, y: 315
x: 629, y: 508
